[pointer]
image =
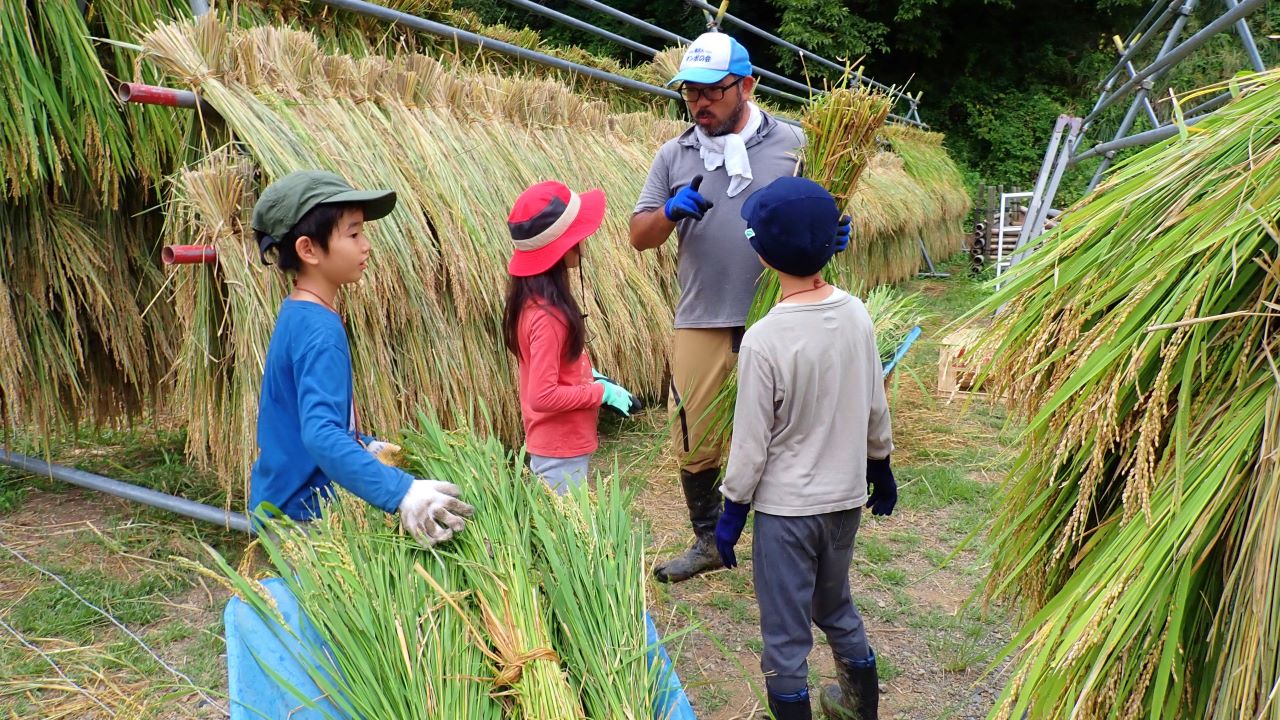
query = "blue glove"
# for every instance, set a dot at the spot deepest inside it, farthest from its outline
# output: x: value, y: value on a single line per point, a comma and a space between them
x: 884, y: 490
x: 687, y: 203
x: 729, y: 529
x: 843, y: 230
x: 616, y: 397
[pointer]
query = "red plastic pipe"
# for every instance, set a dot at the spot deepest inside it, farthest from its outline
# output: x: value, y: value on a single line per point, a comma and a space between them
x: 154, y: 95
x: 189, y: 255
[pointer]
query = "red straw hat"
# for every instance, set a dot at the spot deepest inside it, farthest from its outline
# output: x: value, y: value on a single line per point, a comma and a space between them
x: 548, y: 219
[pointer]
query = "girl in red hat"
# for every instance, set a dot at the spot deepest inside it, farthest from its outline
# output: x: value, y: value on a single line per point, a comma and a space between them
x: 560, y: 394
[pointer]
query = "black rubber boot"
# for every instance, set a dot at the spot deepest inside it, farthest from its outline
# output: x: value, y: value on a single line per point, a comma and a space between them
x: 702, y: 495
x: 856, y: 694
x: 790, y: 708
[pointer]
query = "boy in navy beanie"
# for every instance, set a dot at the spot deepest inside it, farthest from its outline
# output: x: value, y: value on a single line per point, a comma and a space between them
x: 810, y: 435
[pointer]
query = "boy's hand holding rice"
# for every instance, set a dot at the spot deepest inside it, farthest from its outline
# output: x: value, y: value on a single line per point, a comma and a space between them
x: 431, y: 511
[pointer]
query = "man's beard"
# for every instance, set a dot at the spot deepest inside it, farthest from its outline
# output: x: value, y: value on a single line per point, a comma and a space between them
x: 731, y: 123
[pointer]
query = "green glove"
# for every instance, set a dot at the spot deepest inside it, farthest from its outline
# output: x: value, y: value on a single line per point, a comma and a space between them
x: 617, y: 398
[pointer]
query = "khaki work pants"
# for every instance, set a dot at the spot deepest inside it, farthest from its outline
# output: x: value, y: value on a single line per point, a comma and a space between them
x: 701, y: 361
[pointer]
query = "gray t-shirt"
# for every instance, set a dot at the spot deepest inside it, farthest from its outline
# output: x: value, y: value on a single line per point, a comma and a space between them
x: 811, y: 409
x: 718, y: 269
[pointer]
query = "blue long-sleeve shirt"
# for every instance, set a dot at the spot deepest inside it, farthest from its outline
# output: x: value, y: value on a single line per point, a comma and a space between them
x: 306, y: 420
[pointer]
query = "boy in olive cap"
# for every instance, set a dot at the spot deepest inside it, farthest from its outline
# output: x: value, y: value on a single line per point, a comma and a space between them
x: 810, y: 432
x: 308, y: 433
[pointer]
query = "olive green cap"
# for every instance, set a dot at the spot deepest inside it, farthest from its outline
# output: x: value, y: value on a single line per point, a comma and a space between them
x: 288, y: 199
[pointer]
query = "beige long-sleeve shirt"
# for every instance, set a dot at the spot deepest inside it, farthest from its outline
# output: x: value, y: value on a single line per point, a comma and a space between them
x: 811, y: 409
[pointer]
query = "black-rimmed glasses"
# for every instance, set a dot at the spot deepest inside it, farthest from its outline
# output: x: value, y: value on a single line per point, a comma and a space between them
x: 712, y: 93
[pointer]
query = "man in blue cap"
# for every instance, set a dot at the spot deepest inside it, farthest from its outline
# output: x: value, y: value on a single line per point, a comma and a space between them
x: 811, y: 432
x: 696, y: 186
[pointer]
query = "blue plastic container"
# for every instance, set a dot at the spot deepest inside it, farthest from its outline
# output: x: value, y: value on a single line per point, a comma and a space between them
x: 261, y: 666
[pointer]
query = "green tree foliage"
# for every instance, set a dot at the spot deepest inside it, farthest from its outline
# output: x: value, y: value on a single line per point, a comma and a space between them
x: 995, y: 73
x: 827, y: 28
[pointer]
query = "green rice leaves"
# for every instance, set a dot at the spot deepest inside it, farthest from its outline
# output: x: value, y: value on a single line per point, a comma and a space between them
x: 1138, y: 523
x: 536, y: 610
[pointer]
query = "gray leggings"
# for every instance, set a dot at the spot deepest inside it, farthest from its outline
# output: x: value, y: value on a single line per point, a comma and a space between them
x: 800, y: 566
x: 560, y: 473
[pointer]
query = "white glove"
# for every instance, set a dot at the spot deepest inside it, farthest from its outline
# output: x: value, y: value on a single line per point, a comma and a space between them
x: 431, y: 511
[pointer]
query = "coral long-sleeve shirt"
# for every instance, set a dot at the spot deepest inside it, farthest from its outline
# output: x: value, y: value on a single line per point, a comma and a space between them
x: 558, y: 399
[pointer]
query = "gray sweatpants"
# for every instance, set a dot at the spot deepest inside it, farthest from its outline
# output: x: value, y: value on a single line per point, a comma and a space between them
x: 560, y: 473
x: 800, y: 566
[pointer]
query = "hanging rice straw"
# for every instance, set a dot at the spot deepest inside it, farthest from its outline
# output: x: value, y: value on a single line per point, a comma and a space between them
x: 1138, y: 527
x: 457, y: 147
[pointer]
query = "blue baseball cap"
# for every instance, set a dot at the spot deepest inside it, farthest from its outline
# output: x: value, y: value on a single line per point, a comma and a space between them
x: 792, y: 223
x: 711, y: 58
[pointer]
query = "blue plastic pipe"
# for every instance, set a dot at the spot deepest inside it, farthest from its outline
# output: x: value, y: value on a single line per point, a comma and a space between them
x: 134, y: 493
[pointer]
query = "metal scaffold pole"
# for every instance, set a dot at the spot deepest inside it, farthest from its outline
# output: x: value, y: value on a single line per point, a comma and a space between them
x: 1179, y: 24
x: 1069, y: 134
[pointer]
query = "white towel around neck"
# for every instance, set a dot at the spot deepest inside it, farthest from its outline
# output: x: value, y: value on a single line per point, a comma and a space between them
x: 730, y: 150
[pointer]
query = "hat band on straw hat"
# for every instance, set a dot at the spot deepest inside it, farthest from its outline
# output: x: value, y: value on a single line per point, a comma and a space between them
x: 548, y: 234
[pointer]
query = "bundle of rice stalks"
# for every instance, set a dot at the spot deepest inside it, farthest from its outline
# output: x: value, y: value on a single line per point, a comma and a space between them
x: 335, y: 29
x: 225, y: 310
x: 584, y: 558
x: 158, y: 137
x: 889, y: 213
x: 62, y: 121
x: 481, y: 626
x: 926, y: 162
x: 588, y: 543
x: 77, y: 269
x: 345, y: 32
x: 65, y: 132
x: 74, y: 341
x: 584, y: 554
x: 840, y: 128
x: 894, y: 314
x: 1139, y: 529
x: 618, y: 99
x: 497, y: 557
x: 664, y: 66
